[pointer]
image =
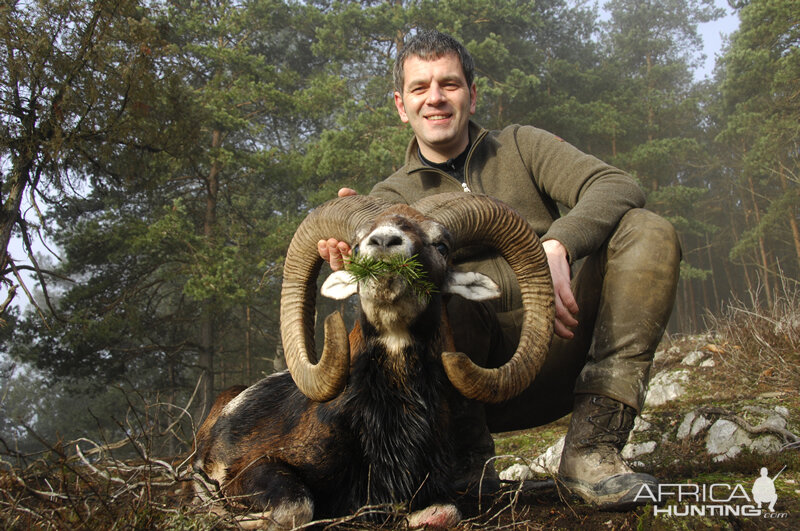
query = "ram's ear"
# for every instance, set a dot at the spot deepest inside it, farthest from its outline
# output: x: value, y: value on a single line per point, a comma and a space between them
x: 339, y: 285
x: 472, y: 286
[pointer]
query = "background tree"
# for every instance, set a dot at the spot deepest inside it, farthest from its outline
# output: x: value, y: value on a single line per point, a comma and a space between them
x: 760, y: 86
x: 179, y: 240
x: 68, y: 72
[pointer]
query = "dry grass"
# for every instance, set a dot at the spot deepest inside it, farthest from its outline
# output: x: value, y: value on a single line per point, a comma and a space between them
x: 84, y: 484
x: 762, y: 343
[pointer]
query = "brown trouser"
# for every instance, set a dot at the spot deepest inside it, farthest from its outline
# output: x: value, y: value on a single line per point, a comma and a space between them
x: 625, y: 292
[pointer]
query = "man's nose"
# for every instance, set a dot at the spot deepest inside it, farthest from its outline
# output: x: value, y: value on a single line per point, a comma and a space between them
x: 435, y: 94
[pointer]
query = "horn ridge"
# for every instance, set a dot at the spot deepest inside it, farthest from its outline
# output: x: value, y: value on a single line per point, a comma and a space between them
x: 339, y: 218
x: 475, y: 219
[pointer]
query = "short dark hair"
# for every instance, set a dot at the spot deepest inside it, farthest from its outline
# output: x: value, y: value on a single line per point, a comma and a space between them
x: 431, y: 45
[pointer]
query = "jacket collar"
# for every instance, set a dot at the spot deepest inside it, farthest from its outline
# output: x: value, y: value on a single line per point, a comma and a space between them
x: 413, y: 162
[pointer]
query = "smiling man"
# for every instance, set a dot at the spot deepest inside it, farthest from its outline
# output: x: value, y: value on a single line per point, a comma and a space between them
x: 437, y: 101
x: 610, y: 314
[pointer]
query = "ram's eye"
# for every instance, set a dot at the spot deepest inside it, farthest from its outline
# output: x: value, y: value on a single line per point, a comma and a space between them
x: 442, y: 248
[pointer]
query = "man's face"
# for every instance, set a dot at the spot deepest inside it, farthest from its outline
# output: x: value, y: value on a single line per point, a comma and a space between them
x: 437, y: 102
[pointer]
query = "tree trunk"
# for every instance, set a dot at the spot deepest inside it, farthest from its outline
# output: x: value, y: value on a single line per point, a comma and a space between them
x: 248, y: 367
x: 10, y: 216
x: 19, y: 178
x: 761, y: 246
x: 207, y: 325
x: 713, y: 273
x: 792, y: 218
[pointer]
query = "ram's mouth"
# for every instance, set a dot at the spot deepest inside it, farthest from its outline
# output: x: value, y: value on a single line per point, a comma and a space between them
x: 394, y: 273
x: 384, y: 290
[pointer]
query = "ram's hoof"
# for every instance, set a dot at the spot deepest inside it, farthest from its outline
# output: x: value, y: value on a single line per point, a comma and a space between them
x: 435, y: 516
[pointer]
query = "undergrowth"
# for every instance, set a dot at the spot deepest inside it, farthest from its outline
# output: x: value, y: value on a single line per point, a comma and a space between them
x: 762, y: 342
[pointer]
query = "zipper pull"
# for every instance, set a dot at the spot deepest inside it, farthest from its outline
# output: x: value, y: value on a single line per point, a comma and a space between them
x: 465, y: 187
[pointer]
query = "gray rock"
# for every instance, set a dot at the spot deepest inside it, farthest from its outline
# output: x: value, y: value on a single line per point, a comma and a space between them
x: 545, y: 464
x: 776, y: 422
x: 666, y: 386
x: 782, y: 411
x: 549, y: 461
x: 632, y: 451
x: 693, y: 358
x: 730, y: 454
x: 640, y: 424
x: 699, y: 424
x: 693, y: 423
x: 725, y: 440
x: 517, y: 472
x: 768, y: 444
x: 709, y: 363
x: 686, y: 425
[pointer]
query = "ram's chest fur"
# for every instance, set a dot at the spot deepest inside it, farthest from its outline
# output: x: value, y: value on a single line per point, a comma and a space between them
x: 400, y: 422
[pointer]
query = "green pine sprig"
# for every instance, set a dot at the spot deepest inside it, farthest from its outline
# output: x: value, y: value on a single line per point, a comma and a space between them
x: 363, y: 267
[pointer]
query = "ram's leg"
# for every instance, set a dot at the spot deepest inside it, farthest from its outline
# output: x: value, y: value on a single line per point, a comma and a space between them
x: 274, y: 497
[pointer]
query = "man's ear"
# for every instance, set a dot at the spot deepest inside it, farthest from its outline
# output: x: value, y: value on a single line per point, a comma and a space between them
x: 473, y: 98
x: 401, y: 107
x: 339, y: 285
x: 472, y: 286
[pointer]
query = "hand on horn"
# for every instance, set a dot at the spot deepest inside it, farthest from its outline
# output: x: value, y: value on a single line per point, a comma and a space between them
x: 332, y: 250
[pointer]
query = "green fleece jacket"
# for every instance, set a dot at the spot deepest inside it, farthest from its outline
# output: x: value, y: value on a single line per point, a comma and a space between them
x: 533, y: 171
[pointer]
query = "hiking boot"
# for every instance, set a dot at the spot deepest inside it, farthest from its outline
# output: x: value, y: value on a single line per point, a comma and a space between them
x: 591, y: 465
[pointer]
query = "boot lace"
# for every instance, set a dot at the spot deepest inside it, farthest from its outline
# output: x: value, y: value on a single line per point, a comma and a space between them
x: 613, y: 421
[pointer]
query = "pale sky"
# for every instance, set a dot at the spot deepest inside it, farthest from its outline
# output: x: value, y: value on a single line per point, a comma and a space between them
x: 713, y: 33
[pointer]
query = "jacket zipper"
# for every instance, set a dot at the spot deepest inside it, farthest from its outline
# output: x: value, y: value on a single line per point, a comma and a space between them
x: 464, y: 185
x: 478, y: 140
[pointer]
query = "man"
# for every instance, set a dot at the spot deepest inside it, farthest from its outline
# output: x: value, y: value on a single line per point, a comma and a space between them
x: 609, y: 317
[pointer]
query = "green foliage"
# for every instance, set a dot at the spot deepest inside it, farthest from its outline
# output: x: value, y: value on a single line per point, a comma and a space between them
x: 760, y: 80
x: 688, y: 272
x: 365, y: 268
x: 72, y: 76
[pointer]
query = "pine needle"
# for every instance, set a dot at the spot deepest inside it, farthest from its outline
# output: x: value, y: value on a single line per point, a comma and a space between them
x: 409, y: 269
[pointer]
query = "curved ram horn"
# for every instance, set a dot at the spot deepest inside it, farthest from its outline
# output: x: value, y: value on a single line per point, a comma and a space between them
x: 338, y: 218
x: 474, y: 219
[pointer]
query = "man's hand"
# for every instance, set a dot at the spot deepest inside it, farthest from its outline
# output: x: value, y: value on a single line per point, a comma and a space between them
x: 566, y: 306
x: 332, y: 250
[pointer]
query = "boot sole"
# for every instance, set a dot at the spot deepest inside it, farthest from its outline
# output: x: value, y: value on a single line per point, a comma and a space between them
x: 616, y: 493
